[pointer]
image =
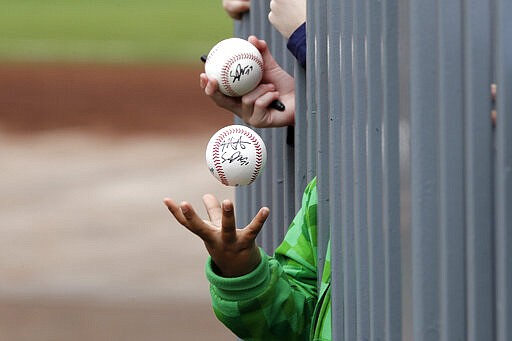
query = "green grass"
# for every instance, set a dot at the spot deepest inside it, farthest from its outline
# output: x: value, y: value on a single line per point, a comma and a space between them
x: 111, y: 30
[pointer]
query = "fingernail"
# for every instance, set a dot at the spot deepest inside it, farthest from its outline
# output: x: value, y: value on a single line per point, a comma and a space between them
x: 227, y: 207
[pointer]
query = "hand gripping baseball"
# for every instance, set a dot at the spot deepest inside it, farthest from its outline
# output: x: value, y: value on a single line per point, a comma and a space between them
x: 253, y: 108
x: 233, y: 250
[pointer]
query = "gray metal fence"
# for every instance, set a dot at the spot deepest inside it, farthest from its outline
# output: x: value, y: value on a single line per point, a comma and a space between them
x: 414, y: 182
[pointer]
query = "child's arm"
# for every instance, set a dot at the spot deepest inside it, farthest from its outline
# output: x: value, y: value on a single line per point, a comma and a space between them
x: 275, y: 301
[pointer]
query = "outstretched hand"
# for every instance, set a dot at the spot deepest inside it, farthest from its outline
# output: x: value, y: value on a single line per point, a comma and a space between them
x: 234, y: 251
x: 253, y: 107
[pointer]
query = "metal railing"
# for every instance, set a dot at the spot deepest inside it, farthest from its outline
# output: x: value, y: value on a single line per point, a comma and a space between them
x: 414, y: 182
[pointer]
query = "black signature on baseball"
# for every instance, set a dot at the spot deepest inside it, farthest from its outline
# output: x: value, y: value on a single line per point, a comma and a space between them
x: 239, y: 72
x: 234, y: 143
x: 236, y: 156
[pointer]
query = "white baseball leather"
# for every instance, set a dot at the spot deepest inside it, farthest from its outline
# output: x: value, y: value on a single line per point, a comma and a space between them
x: 236, y: 64
x: 236, y: 155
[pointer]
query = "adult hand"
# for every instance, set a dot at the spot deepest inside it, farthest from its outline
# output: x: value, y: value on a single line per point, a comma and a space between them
x: 287, y: 15
x: 236, y: 8
x: 253, y: 107
x: 233, y: 250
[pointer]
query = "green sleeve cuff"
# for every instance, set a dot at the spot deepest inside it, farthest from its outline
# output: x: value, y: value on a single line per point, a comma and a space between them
x: 243, y: 287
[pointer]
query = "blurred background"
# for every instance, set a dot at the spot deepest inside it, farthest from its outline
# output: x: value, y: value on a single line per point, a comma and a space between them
x: 101, y: 117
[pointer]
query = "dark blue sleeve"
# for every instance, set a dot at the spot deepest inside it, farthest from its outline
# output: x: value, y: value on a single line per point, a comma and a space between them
x: 297, y: 44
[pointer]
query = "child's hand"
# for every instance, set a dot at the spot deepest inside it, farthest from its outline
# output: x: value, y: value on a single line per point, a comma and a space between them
x: 233, y: 250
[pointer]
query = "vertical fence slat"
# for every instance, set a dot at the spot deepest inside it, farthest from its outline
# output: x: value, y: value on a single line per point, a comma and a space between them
x: 424, y: 173
x: 243, y: 195
x: 360, y: 171
x: 343, y: 248
x: 322, y: 130
x: 336, y: 174
x: 503, y: 183
x: 479, y: 175
x: 262, y: 187
x: 301, y: 136
x: 311, y: 119
x: 276, y: 188
x: 376, y: 259
x: 390, y: 170
x: 451, y: 153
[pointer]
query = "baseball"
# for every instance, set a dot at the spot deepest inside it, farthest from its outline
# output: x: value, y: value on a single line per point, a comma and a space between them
x: 237, y: 66
x: 236, y: 155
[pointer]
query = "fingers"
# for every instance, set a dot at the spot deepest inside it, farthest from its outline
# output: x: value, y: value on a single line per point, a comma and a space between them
x: 213, y: 209
x: 254, y: 104
x: 175, y: 210
x: 228, y: 222
x: 225, y: 214
x: 235, y: 8
x: 259, y: 44
x: 255, y: 226
x: 203, y: 80
x: 228, y: 216
x: 186, y: 216
x: 249, y: 98
x: 268, y: 60
x: 263, y: 102
x: 211, y: 87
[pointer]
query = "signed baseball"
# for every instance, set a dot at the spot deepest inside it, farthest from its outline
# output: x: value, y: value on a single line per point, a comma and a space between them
x: 236, y: 155
x: 237, y: 66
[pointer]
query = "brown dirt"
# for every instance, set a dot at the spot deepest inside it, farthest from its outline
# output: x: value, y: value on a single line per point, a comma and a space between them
x: 51, y: 116
x: 77, y: 321
x: 117, y: 99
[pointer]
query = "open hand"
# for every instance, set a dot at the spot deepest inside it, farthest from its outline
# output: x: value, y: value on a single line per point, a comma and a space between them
x: 234, y: 251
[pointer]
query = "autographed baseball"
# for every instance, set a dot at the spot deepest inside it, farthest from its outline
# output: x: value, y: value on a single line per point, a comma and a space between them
x: 237, y: 66
x: 236, y: 155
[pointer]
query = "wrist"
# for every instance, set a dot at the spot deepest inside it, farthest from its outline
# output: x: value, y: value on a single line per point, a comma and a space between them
x: 293, y: 27
x: 242, y: 287
x: 238, y: 266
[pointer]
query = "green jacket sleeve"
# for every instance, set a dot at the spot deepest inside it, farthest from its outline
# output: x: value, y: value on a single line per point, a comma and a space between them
x: 277, y: 299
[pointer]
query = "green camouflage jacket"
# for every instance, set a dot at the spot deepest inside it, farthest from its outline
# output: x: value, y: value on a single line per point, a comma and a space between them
x: 280, y: 299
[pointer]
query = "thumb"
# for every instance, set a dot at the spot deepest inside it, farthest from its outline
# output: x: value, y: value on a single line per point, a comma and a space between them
x: 268, y: 59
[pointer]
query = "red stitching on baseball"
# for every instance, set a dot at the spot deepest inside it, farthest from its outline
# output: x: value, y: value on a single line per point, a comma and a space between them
x: 216, y: 160
x: 230, y: 62
x: 259, y: 157
x: 216, y: 153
